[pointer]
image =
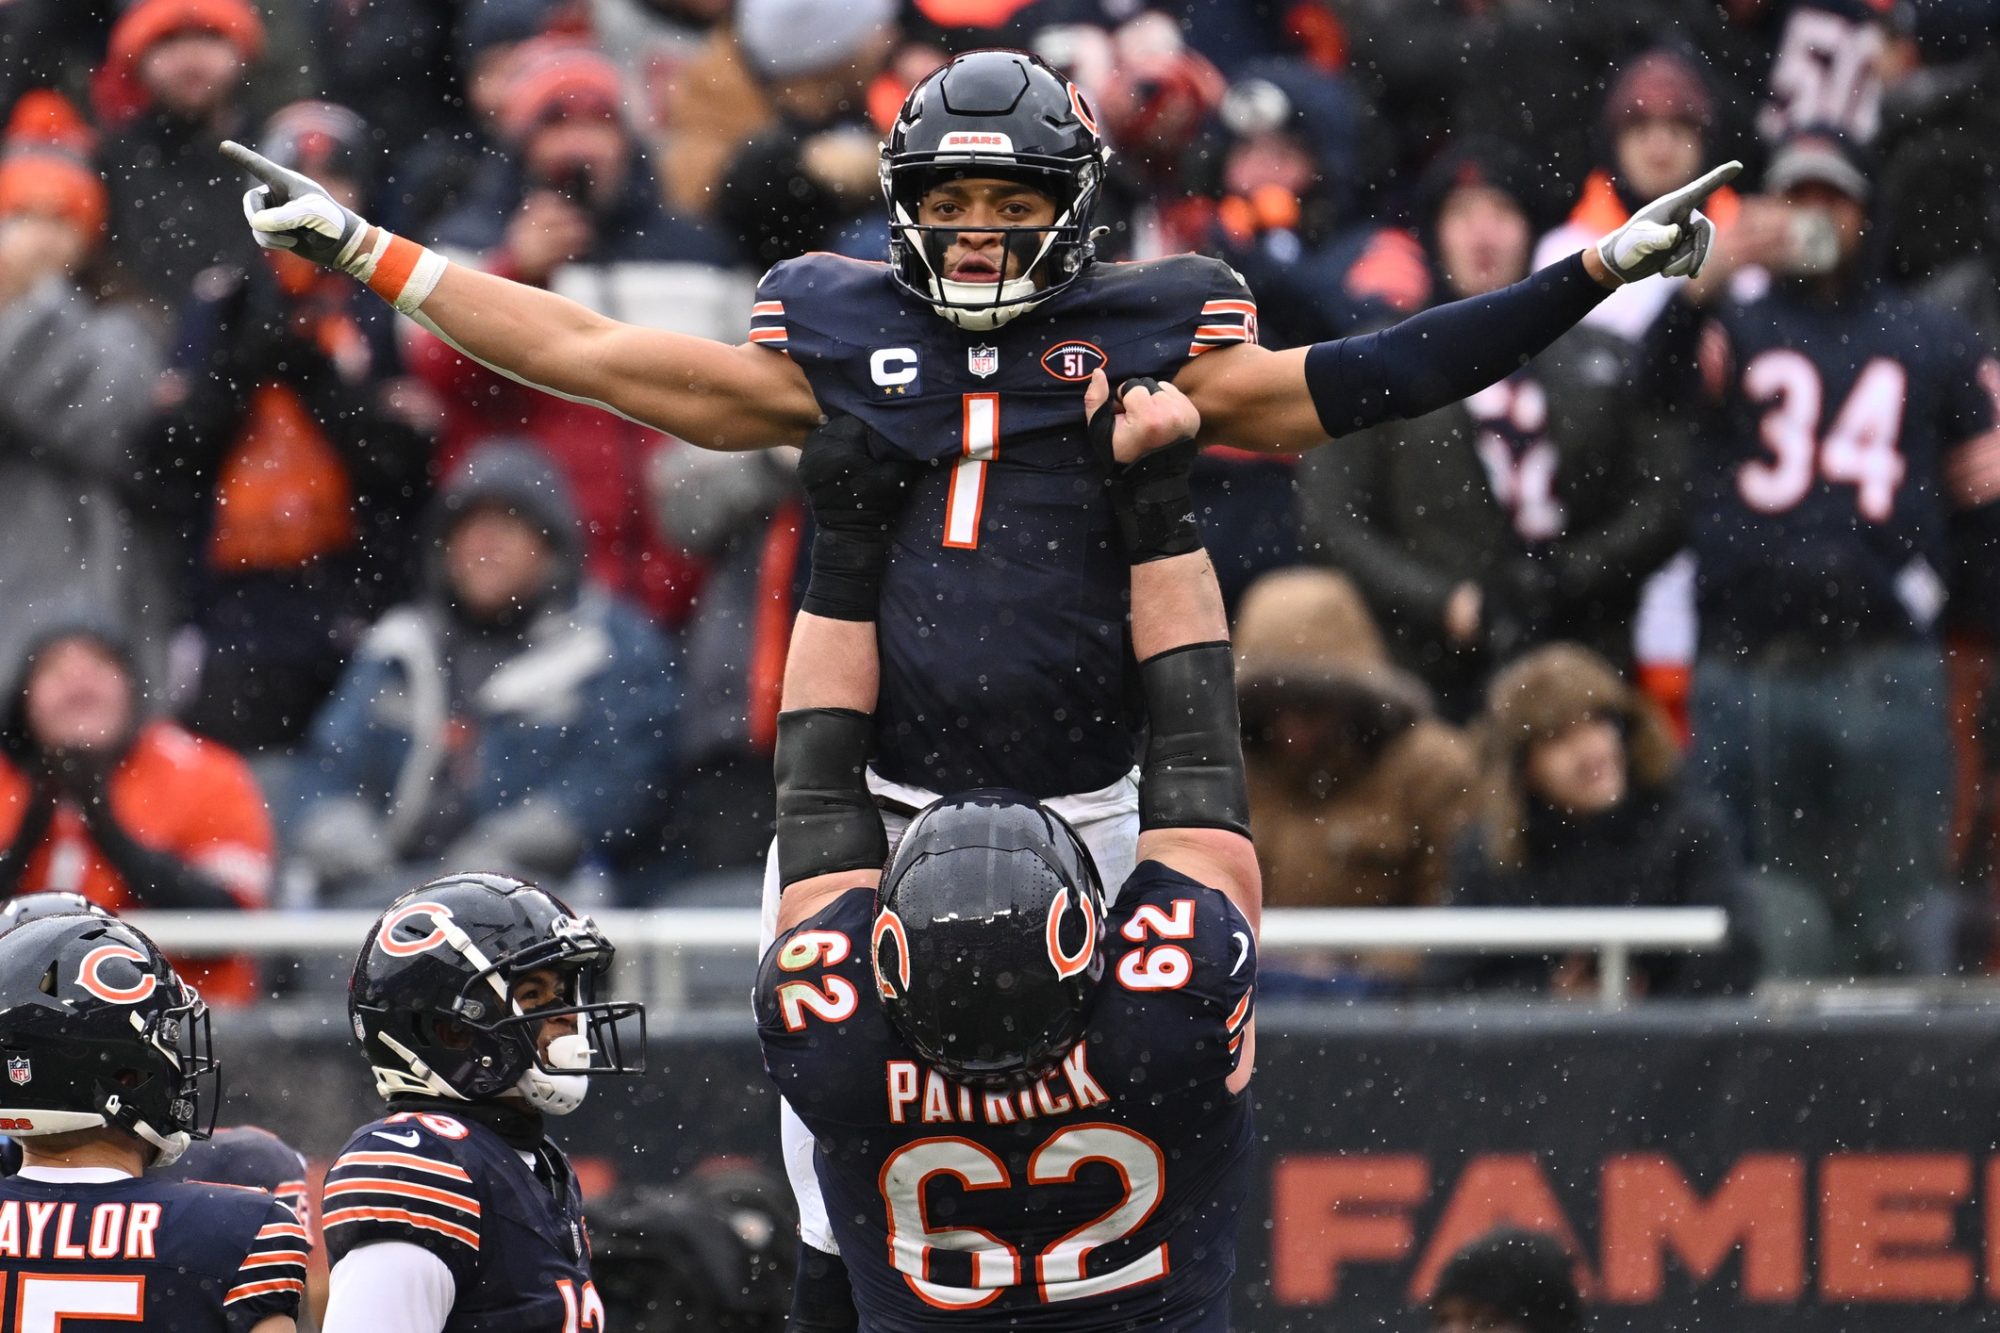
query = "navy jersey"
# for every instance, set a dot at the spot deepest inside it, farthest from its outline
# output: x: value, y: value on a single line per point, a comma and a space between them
x: 248, y: 1155
x: 1102, y: 1197
x: 1844, y: 437
x: 511, y: 1233
x: 1004, y: 654
x: 175, y: 1256
x: 1826, y: 70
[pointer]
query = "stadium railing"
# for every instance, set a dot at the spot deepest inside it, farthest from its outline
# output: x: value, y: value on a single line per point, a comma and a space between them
x: 666, y: 940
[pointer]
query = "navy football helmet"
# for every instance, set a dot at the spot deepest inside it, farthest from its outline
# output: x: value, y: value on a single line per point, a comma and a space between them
x: 23, y: 908
x: 97, y: 1029
x: 432, y: 996
x: 988, y: 937
x: 1008, y: 115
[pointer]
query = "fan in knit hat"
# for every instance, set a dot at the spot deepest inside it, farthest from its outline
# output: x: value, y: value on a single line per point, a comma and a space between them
x: 45, y: 165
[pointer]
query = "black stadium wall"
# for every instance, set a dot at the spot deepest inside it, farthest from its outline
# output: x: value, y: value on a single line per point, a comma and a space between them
x: 1714, y: 1167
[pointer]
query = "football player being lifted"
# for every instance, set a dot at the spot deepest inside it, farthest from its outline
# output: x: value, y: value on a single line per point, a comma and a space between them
x: 1004, y: 654
x: 109, y: 1079
x: 474, y: 999
x: 1004, y: 660
x: 1030, y: 1111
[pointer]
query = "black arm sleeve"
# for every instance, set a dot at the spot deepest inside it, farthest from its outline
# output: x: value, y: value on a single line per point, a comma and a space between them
x: 1447, y: 353
x: 1193, y: 771
x: 827, y: 821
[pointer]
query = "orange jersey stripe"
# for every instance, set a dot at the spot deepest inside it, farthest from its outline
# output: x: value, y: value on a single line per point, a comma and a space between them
x: 1242, y: 1008
x: 1230, y: 307
x: 277, y: 1229
x: 249, y: 1289
x: 345, y: 1216
x: 270, y: 1257
x: 385, y: 1185
x: 410, y: 1160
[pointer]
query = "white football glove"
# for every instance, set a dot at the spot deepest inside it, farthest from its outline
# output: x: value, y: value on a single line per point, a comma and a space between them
x: 291, y: 211
x: 1668, y: 236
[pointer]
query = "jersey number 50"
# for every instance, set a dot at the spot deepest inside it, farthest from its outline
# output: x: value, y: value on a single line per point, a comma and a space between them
x: 1059, y: 1269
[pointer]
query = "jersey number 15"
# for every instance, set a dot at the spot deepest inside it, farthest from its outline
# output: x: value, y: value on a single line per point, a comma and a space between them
x: 43, y: 1301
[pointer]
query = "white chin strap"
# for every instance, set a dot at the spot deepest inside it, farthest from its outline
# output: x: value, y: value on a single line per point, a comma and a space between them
x: 559, y: 1094
x: 1015, y: 296
x: 167, y: 1148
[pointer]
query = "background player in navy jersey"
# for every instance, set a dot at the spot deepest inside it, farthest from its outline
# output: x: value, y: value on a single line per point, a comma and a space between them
x: 474, y: 998
x: 245, y: 1155
x: 106, y: 1053
x: 1029, y: 1113
x: 1848, y: 468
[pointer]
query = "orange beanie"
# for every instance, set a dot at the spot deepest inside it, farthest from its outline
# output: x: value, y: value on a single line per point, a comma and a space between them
x: 45, y: 163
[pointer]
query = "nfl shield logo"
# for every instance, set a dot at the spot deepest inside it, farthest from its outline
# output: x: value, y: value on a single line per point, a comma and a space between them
x: 19, y: 1070
x: 983, y: 361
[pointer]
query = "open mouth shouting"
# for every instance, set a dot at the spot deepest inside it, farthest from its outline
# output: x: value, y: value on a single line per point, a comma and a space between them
x: 976, y: 267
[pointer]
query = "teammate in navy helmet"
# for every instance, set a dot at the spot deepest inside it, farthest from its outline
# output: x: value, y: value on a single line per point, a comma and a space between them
x: 1030, y: 1111
x: 109, y: 1079
x: 475, y: 1000
x: 246, y: 1155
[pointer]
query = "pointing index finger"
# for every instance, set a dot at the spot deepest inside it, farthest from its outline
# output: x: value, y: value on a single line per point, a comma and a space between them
x: 251, y: 161
x: 1698, y: 192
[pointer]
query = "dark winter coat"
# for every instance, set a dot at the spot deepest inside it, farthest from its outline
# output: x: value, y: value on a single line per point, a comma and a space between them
x: 1410, y: 510
x: 1663, y: 847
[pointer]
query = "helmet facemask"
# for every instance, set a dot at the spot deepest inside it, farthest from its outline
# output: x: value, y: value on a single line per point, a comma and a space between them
x: 192, y: 1094
x: 481, y: 1043
x: 1045, y: 259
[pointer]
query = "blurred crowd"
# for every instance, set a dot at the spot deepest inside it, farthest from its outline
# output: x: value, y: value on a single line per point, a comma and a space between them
x: 296, y: 603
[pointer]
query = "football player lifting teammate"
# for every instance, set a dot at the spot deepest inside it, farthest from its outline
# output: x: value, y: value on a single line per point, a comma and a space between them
x: 1004, y: 655
x: 474, y: 999
x: 1030, y: 1112
x: 109, y: 1079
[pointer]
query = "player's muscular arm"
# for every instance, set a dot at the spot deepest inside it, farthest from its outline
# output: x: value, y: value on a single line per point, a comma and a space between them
x: 710, y: 393
x: 830, y: 836
x: 1193, y: 810
x: 1293, y: 400
x: 276, y: 1323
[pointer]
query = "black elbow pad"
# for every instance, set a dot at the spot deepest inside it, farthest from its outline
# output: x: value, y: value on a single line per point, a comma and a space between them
x: 827, y: 821
x: 1193, y: 774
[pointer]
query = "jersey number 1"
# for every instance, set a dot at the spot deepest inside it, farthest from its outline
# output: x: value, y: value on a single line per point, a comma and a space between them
x: 43, y: 1301
x: 979, y: 444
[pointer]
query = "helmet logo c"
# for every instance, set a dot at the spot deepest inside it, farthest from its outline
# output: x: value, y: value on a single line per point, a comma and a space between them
x: 889, y: 924
x: 386, y: 940
x: 1081, y: 107
x: 1068, y: 965
x: 88, y: 978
